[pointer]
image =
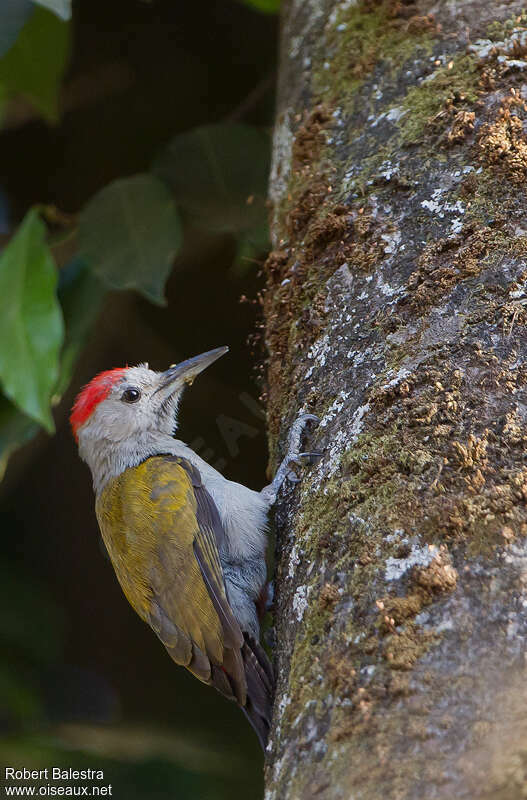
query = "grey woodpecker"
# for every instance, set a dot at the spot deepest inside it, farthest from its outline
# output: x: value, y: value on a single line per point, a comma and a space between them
x: 187, y: 545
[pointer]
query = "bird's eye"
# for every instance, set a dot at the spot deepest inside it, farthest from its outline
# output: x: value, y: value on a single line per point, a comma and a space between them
x: 131, y: 395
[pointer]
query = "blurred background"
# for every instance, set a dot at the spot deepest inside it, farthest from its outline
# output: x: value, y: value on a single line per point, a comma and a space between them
x: 134, y: 151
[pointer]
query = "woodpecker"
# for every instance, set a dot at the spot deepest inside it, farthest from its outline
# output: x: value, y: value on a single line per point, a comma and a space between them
x: 187, y: 545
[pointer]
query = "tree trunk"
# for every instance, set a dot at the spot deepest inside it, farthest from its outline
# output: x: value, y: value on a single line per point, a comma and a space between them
x: 396, y: 310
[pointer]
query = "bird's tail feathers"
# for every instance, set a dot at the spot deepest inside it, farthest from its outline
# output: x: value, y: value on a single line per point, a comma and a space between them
x: 260, y: 688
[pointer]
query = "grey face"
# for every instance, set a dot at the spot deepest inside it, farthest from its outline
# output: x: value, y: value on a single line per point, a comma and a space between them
x: 143, y: 401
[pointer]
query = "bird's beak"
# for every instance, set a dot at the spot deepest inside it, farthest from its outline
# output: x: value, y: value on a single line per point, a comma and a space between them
x: 179, y: 374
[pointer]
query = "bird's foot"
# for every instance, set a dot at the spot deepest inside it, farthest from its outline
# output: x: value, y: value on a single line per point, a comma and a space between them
x: 293, y: 456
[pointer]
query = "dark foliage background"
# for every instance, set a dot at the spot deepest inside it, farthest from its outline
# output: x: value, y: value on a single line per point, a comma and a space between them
x: 82, y: 681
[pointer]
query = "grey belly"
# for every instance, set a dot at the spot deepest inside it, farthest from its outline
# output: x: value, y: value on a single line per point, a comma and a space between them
x: 243, y: 583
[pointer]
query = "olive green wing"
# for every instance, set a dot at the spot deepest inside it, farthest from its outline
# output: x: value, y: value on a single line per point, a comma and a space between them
x: 162, y: 530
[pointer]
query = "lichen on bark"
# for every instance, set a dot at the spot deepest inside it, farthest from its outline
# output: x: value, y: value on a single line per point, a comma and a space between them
x: 395, y: 310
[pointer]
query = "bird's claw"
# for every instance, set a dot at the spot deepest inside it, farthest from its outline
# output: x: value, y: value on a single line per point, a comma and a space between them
x: 311, y: 457
x: 294, y: 456
x: 308, y: 418
x: 297, y: 429
x: 301, y: 422
x: 302, y: 460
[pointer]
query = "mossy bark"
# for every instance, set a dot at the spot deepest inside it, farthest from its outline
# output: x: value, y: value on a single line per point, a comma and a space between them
x: 396, y: 310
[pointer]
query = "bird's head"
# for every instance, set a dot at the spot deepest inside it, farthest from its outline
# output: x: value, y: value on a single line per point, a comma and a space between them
x: 130, y: 403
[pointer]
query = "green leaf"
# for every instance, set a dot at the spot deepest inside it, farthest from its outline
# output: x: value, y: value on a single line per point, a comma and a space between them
x: 267, y: 6
x: 15, y: 430
x: 13, y: 16
x: 218, y: 174
x: 31, y: 326
x: 81, y: 295
x: 129, y: 234
x: 252, y: 245
x: 34, y: 66
x: 62, y: 8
